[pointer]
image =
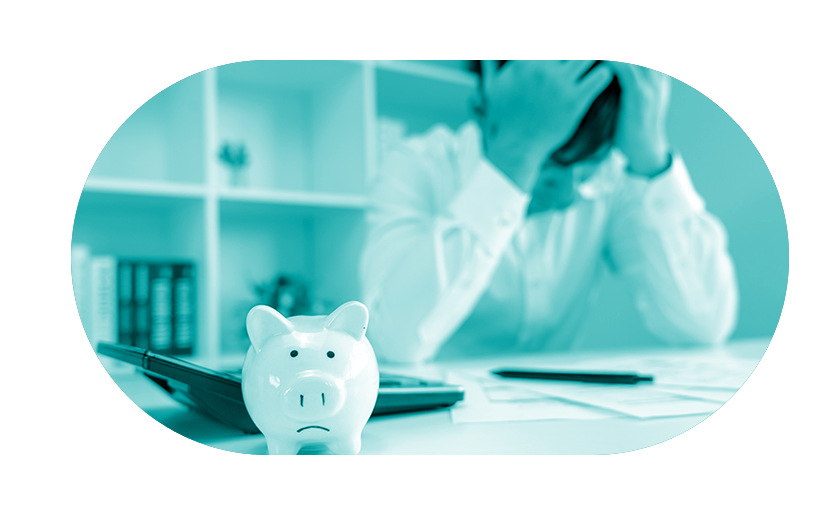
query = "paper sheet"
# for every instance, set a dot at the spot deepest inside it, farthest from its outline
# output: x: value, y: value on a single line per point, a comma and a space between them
x: 491, y: 401
x: 711, y: 394
x: 712, y: 371
x: 684, y: 384
x: 642, y: 401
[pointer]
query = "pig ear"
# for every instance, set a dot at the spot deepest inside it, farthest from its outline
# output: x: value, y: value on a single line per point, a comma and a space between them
x: 351, y: 317
x: 264, y: 322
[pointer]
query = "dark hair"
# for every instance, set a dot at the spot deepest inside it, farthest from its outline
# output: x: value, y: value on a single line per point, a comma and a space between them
x: 596, y: 129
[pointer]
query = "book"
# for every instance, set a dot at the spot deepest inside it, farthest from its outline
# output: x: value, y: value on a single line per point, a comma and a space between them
x: 125, y: 289
x: 140, y: 305
x: 160, y: 307
x: 184, y: 309
x: 146, y: 304
x: 80, y: 274
x: 104, y: 304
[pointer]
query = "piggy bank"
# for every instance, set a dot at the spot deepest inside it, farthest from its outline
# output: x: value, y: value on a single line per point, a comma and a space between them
x: 310, y: 380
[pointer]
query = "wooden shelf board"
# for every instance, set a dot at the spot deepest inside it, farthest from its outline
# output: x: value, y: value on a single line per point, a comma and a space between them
x: 428, y: 71
x: 294, y: 198
x: 150, y: 188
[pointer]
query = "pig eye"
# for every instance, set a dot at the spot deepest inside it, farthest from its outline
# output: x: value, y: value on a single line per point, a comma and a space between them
x: 330, y: 354
x: 294, y: 353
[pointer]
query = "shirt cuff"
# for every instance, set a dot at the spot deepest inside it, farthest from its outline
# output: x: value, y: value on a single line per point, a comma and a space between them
x: 670, y: 192
x: 490, y: 205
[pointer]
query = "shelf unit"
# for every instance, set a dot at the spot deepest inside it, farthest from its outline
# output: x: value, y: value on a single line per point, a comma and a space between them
x: 312, y: 131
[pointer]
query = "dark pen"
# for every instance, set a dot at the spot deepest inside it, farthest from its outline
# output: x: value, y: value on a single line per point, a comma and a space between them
x: 574, y: 376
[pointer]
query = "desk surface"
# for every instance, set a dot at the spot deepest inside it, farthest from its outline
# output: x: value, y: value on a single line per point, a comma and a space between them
x: 435, y: 433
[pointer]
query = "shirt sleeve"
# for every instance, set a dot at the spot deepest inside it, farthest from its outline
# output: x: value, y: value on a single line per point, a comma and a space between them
x: 432, y: 247
x: 673, y: 254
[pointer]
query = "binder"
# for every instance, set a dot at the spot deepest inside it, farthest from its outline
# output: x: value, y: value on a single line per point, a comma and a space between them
x: 183, y: 309
x: 160, y: 307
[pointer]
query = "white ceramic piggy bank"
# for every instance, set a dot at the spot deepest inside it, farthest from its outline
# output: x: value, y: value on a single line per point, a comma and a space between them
x: 310, y: 380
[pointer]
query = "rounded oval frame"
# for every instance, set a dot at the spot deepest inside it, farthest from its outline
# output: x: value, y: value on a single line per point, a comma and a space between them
x: 201, y: 172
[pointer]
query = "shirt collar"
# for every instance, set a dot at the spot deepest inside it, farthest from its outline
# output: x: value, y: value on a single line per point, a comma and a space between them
x: 605, y: 178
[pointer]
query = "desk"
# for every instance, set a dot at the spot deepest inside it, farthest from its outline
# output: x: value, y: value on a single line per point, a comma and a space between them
x: 435, y: 433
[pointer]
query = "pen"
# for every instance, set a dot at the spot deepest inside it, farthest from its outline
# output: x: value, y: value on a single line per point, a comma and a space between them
x: 574, y: 376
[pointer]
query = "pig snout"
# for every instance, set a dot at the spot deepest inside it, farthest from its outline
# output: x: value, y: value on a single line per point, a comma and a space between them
x: 313, y: 397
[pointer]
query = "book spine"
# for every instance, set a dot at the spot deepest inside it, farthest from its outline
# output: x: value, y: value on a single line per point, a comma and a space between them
x: 142, y: 317
x: 125, y: 289
x: 160, y: 307
x: 104, y: 307
x: 184, y: 309
x: 80, y: 271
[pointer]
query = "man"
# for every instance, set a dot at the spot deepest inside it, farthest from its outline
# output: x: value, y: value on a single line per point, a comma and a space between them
x: 494, y: 238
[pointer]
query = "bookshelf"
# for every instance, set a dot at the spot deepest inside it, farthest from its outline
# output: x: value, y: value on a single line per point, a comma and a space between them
x: 312, y: 131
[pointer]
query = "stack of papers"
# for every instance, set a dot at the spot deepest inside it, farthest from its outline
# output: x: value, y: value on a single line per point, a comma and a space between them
x: 683, y: 385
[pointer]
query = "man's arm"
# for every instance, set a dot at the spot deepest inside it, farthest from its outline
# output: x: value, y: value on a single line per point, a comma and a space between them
x: 671, y: 251
x: 425, y: 266
x: 432, y: 245
x: 673, y: 254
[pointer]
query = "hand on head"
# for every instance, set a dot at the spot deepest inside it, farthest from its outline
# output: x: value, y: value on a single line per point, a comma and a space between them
x: 532, y: 107
x: 641, y: 134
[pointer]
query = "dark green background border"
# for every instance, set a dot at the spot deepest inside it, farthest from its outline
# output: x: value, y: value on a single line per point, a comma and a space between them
x: 72, y: 74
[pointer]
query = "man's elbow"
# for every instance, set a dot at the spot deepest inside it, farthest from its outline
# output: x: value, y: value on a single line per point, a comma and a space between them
x: 723, y: 313
x: 713, y: 325
x: 711, y: 333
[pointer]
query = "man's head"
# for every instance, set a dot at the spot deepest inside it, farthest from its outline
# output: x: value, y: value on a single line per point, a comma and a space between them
x: 597, y: 127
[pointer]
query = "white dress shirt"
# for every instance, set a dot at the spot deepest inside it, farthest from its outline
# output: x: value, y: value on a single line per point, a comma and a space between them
x: 453, y: 267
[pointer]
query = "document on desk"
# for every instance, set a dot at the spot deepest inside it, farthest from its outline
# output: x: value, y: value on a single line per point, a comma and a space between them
x: 574, y: 400
x: 705, y: 372
x: 704, y: 393
x: 641, y: 401
x: 488, y: 400
x: 684, y: 384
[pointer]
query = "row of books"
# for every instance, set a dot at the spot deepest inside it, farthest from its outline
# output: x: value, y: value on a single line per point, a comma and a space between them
x: 148, y: 304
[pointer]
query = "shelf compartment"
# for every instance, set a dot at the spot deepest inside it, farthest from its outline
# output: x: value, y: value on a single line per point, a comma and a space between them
x: 301, y: 123
x: 260, y: 241
x: 148, y: 227
x: 163, y: 140
x: 143, y: 226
